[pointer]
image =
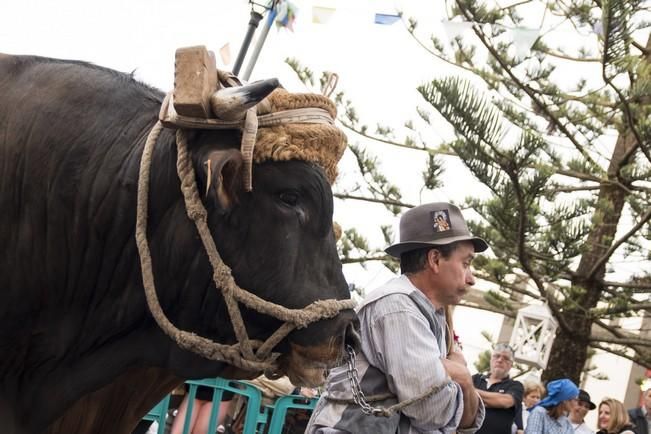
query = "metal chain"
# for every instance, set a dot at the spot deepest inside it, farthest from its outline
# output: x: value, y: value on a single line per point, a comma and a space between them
x: 358, y: 394
x: 363, y: 402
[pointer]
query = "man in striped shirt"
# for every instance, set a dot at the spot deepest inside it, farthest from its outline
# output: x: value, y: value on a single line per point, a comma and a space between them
x: 404, y: 350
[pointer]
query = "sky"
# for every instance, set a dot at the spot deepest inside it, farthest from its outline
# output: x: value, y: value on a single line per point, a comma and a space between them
x: 379, y: 67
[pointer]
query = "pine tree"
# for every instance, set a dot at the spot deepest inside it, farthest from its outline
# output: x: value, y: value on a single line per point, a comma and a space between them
x: 565, y: 205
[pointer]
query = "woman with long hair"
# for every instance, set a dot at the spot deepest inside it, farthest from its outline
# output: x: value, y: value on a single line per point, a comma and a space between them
x: 549, y: 416
x: 613, y: 418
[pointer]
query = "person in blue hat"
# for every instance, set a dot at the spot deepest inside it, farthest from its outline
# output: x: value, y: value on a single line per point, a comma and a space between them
x: 549, y: 416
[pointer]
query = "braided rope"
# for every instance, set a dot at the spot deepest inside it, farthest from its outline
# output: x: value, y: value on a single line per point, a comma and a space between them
x: 240, y: 354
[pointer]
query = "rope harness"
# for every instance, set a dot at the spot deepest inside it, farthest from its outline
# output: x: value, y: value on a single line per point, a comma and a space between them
x: 247, y: 354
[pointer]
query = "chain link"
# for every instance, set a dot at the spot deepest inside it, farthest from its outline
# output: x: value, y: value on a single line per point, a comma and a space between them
x: 358, y: 395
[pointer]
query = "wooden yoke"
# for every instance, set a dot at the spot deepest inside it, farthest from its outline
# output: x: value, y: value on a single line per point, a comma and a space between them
x: 195, y: 79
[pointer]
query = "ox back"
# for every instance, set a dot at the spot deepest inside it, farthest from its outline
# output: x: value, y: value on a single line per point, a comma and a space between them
x: 80, y: 351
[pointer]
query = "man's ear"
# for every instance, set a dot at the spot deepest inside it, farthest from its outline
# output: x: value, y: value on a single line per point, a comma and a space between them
x: 433, y: 258
x: 222, y: 175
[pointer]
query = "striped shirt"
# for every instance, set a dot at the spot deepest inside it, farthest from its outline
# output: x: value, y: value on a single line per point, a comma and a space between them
x: 539, y: 422
x: 403, y: 342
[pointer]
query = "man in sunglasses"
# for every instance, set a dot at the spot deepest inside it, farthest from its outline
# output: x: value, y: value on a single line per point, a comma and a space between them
x: 501, y: 395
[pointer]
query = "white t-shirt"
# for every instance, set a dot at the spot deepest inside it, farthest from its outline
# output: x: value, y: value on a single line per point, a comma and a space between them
x: 581, y: 428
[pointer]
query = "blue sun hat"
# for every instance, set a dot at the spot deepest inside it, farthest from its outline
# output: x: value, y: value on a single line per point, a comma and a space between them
x: 557, y: 392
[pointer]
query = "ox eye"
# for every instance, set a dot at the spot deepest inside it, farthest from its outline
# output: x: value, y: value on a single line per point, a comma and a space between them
x: 289, y: 197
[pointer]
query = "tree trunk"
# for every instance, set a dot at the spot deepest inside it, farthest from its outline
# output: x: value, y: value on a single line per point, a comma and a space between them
x: 570, y: 350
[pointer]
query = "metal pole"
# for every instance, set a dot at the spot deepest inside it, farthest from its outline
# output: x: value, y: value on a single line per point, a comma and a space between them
x: 253, y: 25
x: 259, y: 43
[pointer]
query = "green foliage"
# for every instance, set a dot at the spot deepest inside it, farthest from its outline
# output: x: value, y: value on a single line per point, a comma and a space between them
x: 303, y: 73
x: 617, y: 34
x: 377, y: 183
x: 351, y: 242
x: 433, y: 172
x: 483, y: 362
x: 563, y: 157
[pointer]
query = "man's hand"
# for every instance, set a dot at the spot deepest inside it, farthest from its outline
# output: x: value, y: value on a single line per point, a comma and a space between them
x: 459, y: 373
x: 457, y: 356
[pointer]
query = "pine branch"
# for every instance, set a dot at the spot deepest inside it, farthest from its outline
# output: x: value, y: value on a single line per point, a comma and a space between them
x: 434, y: 151
x: 602, y: 260
x: 646, y: 362
x: 561, y: 189
x: 560, y: 55
x: 621, y: 309
x: 364, y: 259
x: 616, y: 38
x: 520, y: 3
x: 623, y: 341
x: 482, y: 37
x: 617, y: 334
x: 374, y: 200
x: 635, y: 286
x: 485, y: 276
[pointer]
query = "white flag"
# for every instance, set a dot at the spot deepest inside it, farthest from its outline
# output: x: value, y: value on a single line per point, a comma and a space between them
x: 523, y: 40
x: 455, y: 29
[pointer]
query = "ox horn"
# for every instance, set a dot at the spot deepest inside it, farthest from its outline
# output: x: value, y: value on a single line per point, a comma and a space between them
x: 231, y: 103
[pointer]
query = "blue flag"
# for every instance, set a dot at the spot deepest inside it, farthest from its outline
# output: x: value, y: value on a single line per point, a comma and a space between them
x: 386, y: 18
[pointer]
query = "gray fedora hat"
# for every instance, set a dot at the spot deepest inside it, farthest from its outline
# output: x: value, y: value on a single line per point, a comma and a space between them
x: 433, y: 224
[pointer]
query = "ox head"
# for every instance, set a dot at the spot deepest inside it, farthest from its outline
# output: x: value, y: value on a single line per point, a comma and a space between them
x: 278, y: 238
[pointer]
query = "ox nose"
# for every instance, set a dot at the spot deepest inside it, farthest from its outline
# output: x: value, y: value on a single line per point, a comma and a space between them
x: 352, y: 337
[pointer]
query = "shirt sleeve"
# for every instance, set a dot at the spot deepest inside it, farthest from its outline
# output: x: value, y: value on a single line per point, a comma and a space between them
x: 518, y: 416
x: 516, y: 390
x: 408, y: 352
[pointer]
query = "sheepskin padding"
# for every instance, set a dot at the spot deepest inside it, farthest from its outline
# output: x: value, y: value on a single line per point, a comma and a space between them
x: 319, y: 144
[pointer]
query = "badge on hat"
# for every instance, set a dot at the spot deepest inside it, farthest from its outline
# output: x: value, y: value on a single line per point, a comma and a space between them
x: 441, y: 220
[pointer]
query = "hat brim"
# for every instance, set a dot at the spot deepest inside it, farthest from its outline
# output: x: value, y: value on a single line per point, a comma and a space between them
x: 591, y: 404
x: 398, y: 249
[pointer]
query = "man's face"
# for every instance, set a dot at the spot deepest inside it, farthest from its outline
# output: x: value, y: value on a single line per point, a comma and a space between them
x: 647, y: 400
x: 455, y: 274
x: 579, y: 410
x: 501, y: 362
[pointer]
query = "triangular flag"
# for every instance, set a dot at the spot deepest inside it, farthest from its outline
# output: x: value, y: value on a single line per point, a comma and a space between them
x: 523, y: 39
x: 455, y: 29
x: 286, y: 14
x: 386, y: 18
x: 321, y: 15
x: 225, y: 53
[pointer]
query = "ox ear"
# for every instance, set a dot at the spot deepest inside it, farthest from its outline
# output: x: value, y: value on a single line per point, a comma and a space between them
x: 223, y: 176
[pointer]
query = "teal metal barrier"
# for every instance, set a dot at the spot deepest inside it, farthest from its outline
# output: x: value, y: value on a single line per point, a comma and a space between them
x: 254, y: 415
x: 284, y: 403
x: 159, y: 413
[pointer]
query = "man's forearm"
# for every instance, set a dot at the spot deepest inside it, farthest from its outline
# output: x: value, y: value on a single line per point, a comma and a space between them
x: 496, y: 400
x: 470, y: 406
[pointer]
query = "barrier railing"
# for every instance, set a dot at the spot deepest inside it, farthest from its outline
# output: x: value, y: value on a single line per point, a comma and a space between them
x: 256, y: 413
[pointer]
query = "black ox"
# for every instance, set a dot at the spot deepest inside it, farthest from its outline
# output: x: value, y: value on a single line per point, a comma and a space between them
x: 79, y: 349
